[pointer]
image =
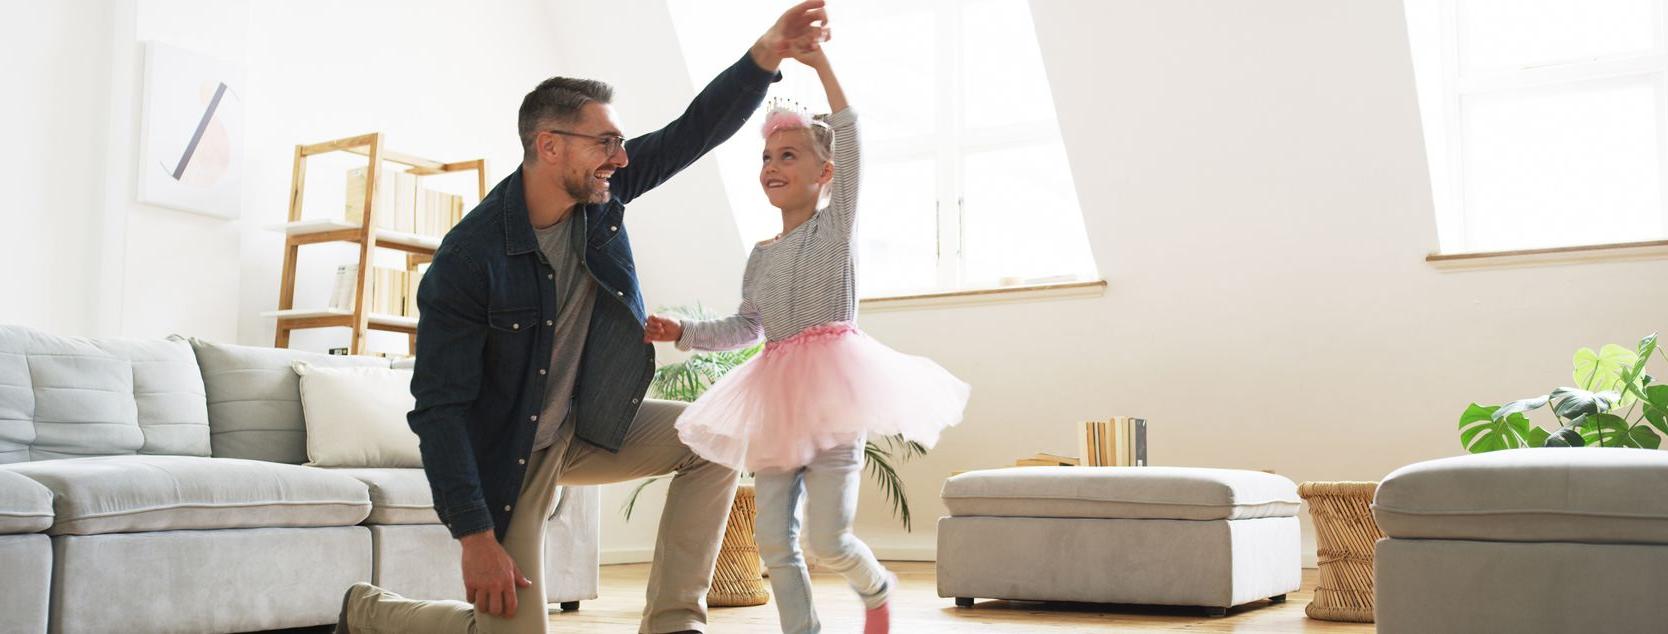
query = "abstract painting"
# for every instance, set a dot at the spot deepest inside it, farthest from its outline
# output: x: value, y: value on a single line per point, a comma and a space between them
x: 191, y: 148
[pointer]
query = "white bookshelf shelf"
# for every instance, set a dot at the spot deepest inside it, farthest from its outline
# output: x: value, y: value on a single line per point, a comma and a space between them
x: 331, y: 230
x: 321, y: 317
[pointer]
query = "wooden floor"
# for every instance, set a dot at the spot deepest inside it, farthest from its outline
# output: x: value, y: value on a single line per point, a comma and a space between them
x: 918, y: 608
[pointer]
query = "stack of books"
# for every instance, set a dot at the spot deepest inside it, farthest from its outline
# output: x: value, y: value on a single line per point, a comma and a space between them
x: 403, y: 206
x: 392, y: 291
x: 1119, y: 442
x: 1046, y: 460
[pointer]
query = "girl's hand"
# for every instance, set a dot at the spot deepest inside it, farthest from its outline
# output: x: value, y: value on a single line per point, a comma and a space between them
x: 812, y: 56
x: 662, y: 329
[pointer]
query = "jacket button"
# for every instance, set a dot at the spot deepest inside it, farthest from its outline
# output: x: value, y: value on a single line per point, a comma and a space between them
x: 506, y: 508
x: 549, y: 322
x: 549, y: 276
x: 534, y: 418
x: 635, y: 400
x: 541, y: 371
x: 521, y: 461
x: 614, y: 228
x: 515, y: 326
x: 620, y: 293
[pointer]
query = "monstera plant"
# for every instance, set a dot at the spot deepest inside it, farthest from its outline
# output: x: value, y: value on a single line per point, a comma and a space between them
x: 1613, y: 403
x: 686, y: 380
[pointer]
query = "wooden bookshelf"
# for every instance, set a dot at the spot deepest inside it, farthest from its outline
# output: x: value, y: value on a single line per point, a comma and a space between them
x: 370, y: 237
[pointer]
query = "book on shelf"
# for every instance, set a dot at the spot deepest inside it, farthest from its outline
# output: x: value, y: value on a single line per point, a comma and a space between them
x: 1118, y: 442
x: 395, y: 199
x: 391, y: 290
x: 402, y: 204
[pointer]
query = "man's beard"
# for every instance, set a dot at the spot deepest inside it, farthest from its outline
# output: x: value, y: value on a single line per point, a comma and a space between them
x: 583, y: 191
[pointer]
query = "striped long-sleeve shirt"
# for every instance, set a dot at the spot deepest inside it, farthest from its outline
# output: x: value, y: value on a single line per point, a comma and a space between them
x: 804, y: 278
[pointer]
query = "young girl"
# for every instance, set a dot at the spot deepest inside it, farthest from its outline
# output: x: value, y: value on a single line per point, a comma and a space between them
x: 798, y: 414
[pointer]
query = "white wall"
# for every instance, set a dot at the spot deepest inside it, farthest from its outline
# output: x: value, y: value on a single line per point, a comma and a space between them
x: 1255, y: 191
x: 53, y: 120
x: 1251, y: 175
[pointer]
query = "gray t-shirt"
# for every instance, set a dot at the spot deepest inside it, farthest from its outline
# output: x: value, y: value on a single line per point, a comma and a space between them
x: 576, y: 294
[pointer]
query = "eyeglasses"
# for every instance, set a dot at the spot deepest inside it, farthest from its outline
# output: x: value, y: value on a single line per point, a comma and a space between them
x: 611, y: 142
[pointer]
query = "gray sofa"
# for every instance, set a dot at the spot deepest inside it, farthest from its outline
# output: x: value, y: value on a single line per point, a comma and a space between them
x: 158, y: 486
x: 1524, y: 541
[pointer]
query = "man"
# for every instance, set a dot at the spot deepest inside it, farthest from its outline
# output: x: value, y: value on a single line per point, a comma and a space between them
x: 532, y: 364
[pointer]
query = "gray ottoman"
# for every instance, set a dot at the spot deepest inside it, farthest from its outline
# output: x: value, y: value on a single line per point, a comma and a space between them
x: 1213, y: 538
x: 1524, y: 541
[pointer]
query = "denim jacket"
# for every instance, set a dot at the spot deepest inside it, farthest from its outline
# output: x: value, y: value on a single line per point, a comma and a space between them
x: 487, y: 309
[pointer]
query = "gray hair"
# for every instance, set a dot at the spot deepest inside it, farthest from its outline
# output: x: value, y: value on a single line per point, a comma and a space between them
x: 557, y: 100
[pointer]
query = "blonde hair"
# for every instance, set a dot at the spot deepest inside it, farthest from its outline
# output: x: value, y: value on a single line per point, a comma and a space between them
x: 787, y: 115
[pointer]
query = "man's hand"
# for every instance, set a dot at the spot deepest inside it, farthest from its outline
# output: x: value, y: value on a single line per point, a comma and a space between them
x: 489, y: 575
x: 802, y: 28
x: 662, y: 329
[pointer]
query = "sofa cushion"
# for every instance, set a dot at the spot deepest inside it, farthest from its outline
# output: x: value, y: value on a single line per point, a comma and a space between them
x: 67, y: 397
x: 356, y: 417
x: 25, y: 506
x: 1181, y: 493
x: 1590, y: 495
x: 124, y: 494
x: 254, y: 398
x: 398, y: 496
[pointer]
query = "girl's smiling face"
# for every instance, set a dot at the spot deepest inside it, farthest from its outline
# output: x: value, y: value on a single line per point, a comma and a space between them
x: 791, y: 172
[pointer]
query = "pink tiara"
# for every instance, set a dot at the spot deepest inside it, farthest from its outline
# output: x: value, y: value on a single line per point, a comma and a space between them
x: 785, y: 115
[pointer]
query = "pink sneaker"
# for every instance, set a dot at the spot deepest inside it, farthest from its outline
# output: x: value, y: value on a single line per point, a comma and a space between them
x: 878, y: 620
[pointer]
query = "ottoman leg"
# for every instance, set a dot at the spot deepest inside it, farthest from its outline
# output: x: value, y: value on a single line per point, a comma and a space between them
x: 964, y: 602
x: 570, y: 606
x: 1278, y: 598
x: 1215, y: 613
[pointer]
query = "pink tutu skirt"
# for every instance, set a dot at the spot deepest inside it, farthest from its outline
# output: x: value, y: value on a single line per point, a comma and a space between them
x: 828, y: 386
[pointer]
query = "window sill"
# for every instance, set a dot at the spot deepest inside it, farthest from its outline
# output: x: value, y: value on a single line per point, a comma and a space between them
x: 1000, y: 295
x: 1646, y: 250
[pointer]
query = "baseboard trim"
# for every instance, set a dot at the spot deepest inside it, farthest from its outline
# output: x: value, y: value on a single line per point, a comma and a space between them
x: 615, y: 556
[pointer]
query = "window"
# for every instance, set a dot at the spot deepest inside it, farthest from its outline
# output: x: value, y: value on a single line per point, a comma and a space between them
x: 966, y: 180
x: 1544, y: 120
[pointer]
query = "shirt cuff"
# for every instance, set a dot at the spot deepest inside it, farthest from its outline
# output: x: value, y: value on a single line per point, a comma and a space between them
x: 684, y: 343
x: 841, y: 118
x: 469, y: 521
x: 755, y: 72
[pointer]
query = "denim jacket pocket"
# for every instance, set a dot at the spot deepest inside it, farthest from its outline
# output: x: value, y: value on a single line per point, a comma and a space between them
x: 513, y: 320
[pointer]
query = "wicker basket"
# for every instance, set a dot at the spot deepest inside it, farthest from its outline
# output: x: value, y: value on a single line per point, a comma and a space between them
x: 1344, y: 536
x: 737, y: 580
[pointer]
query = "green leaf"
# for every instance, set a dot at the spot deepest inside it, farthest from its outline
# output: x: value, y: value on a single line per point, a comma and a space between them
x: 1657, y: 419
x: 1608, y: 430
x: 1520, y: 406
x: 1480, y: 433
x: 1571, y: 403
x: 879, y: 466
x: 1636, y: 379
x: 1642, y: 437
x: 1537, y: 436
x: 1603, y: 370
x: 1656, y: 407
x: 1566, y: 437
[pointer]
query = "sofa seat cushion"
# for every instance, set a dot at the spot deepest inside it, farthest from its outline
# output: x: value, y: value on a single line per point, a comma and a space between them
x: 124, y: 494
x: 1588, y: 495
x: 398, y: 496
x: 1181, y: 493
x: 25, y: 506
